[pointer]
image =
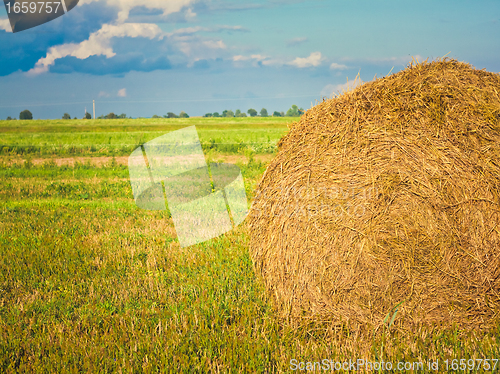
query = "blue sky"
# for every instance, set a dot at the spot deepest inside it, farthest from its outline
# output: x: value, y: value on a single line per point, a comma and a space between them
x: 145, y: 57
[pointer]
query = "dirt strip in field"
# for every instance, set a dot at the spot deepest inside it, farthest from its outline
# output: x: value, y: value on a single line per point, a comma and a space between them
x: 120, y: 160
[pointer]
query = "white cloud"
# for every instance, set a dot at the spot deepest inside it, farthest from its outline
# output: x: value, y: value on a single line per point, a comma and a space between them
x: 122, y: 92
x: 193, y: 30
x: 335, y: 66
x: 229, y: 28
x: 295, y: 41
x: 331, y: 90
x: 97, y: 44
x: 314, y: 59
x: 256, y: 60
x: 198, y: 48
x: 397, y: 61
x: 259, y: 57
x: 214, y: 44
x: 247, y: 58
x: 273, y: 62
x: 188, y: 31
x: 5, y: 25
x: 240, y: 58
x: 402, y: 60
x: 167, y: 6
x: 103, y: 94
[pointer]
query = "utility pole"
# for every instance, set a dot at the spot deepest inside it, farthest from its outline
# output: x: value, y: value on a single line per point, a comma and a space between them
x: 93, y: 102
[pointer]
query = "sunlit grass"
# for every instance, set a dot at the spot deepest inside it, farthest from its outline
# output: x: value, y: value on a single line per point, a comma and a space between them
x: 122, y: 136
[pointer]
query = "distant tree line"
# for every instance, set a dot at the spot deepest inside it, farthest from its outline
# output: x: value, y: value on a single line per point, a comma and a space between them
x: 294, y: 111
x: 86, y: 116
x: 25, y: 114
x: 173, y: 115
x: 112, y: 116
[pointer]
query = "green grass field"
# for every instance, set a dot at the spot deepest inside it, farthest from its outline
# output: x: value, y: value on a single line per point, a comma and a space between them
x: 121, y: 136
x: 90, y: 283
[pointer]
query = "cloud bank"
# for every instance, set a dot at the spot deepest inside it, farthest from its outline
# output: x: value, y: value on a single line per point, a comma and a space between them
x: 5, y: 25
x: 314, y: 59
x: 97, y: 44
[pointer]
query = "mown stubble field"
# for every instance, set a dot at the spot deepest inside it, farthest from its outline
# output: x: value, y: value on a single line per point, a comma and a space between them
x: 91, y: 283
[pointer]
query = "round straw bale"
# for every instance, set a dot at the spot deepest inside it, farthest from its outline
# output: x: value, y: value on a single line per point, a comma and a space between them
x: 385, y: 201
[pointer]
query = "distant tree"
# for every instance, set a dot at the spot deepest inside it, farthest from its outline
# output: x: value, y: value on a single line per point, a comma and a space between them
x: 252, y: 112
x: 9, y: 119
x: 87, y: 116
x: 216, y: 114
x: 172, y: 115
x: 276, y: 114
x: 101, y: 116
x: 25, y: 114
x: 75, y: 118
x: 111, y: 116
x: 229, y: 113
x: 282, y: 114
x: 242, y: 115
x: 123, y: 115
x: 208, y: 115
x: 66, y: 116
x: 293, y: 111
x: 263, y: 112
x: 183, y: 115
x: 237, y: 113
x: 156, y: 116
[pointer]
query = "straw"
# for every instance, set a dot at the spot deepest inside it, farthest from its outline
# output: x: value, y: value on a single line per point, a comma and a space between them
x: 387, y: 195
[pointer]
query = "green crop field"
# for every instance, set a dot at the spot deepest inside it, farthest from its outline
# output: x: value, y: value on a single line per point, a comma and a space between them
x: 91, y: 283
x: 120, y: 136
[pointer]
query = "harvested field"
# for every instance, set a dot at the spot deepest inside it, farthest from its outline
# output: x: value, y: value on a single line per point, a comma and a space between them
x: 88, y: 280
x: 382, y: 205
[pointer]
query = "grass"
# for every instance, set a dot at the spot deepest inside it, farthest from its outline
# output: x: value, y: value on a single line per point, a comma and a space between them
x: 122, y: 136
x: 91, y: 283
